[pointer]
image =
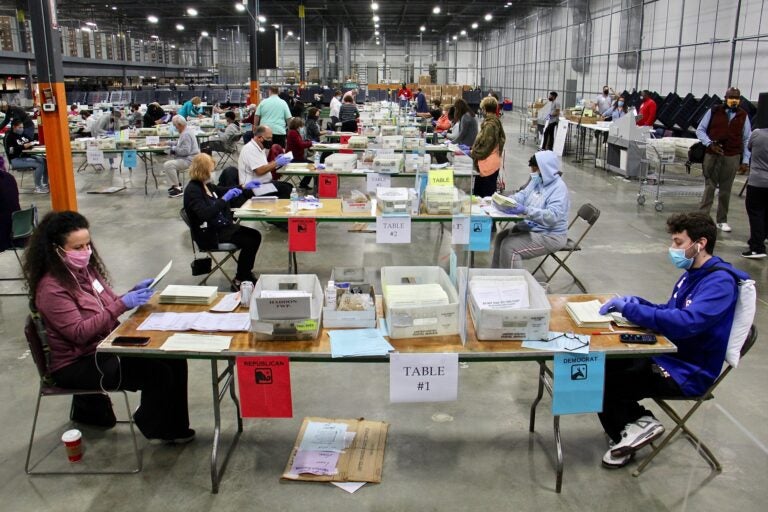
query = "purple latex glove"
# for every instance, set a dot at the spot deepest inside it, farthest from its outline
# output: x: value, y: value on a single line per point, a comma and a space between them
x: 137, y: 298
x: 518, y: 210
x: 615, y: 304
x: 231, y: 194
x: 252, y: 184
x: 142, y: 284
x: 282, y: 160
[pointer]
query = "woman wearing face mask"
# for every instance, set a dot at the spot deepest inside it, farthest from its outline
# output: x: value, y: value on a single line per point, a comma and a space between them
x: 209, y: 205
x: 17, y: 146
x: 71, y: 290
x: 543, y: 204
x: 617, y: 111
x: 295, y: 142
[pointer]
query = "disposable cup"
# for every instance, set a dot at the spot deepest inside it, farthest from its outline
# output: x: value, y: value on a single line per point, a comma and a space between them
x: 73, y: 441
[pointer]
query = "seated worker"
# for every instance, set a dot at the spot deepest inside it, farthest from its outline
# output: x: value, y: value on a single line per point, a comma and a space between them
x: 153, y: 116
x: 298, y: 146
x: 348, y: 115
x: 185, y: 149
x: 313, y: 131
x: 254, y: 165
x: 17, y: 147
x: 72, y: 110
x: 85, y: 125
x: 205, y: 203
x: 697, y: 319
x: 544, y: 203
x: 16, y: 113
x: 190, y: 108
x: 443, y: 122
x: 71, y: 290
x: 226, y: 140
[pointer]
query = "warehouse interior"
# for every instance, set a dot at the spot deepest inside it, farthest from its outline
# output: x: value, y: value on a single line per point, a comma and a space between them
x: 477, y: 451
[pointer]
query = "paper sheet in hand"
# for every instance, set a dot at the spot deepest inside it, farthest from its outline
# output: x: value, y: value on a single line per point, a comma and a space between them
x: 161, y: 275
x: 228, y: 303
x: 181, y: 342
x: 266, y: 188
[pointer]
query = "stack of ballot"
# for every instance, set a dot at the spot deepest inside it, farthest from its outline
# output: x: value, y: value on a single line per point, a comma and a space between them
x: 182, y: 294
x: 499, y: 292
x: 408, y: 295
x: 587, y: 314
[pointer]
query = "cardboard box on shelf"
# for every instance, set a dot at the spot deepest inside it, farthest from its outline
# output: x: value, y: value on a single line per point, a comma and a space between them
x: 362, y: 461
x: 425, y: 79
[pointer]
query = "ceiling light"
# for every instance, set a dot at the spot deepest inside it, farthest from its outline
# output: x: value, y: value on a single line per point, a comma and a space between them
x: 192, y: 11
x: 262, y: 29
x: 422, y: 28
x: 488, y: 17
x: 114, y: 8
x: 436, y: 10
x: 377, y: 43
x: 290, y: 33
x: 374, y: 6
x: 85, y: 29
x: 375, y: 19
x: 90, y: 23
x: 376, y: 32
x: 179, y: 27
x: 375, y: 25
x: 239, y: 7
x: 475, y: 25
x: 262, y: 18
x: 463, y: 32
x: 204, y: 33
x: 298, y: 38
x: 455, y: 37
x: 154, y: 37
x: 152, y: 18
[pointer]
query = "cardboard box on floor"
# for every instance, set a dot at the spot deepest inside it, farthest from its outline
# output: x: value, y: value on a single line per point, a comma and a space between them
x: 363, y: 461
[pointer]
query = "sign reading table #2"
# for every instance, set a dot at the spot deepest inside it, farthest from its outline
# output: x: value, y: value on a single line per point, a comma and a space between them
x: 423, y: 377
x: 393, y: 229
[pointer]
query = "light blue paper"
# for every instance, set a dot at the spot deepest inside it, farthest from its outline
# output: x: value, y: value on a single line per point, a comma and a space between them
x: 579, y: 381
x: 480, y: 234
x: 358, y: 342
x: 130, y: 158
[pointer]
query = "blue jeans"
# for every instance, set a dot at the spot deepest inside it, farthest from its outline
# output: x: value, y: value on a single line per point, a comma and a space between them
x: 34, y: 162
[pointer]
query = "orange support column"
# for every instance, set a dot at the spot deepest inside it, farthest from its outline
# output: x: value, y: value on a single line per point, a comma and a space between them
x: 255, y: 95
x: 61, y: 175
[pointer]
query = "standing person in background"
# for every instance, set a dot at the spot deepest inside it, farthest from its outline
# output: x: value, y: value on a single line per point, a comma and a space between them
x: 404, y: 95
x: 487, y: 149
x: 757, y: 194
x: 70, y: 287
x: 273, y: 112
x: 106, y: 125
x: 313, y: 131
x: 421, y: 102
x: 725, y: 131
x: 549, y: 116
x: 335, y: 108
x: 647, y: 111
x: 467, y: 133
x: 185, y: 149
x: 604, y: 101
x: 348, y: 115
x: 190, y: 108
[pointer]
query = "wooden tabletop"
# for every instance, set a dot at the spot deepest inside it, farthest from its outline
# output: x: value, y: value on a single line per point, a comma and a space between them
x: 244, y: 344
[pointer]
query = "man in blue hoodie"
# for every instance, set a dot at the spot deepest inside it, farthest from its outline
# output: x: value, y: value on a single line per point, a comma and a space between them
x: 544, y: 203
x: 697, y: 319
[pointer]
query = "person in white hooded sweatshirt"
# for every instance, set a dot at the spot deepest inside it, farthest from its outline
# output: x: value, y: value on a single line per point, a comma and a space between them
x: 544, y: 204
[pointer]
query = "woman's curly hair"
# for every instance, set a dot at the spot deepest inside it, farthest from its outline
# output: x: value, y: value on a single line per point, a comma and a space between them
x: 42, y: 257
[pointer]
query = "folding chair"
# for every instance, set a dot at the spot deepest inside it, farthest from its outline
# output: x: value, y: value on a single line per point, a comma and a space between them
x: 229, y: 249
x: 680, y: 421
x: 38, y: 347
x: 587, y: 213
x: 21, y: 169
x: 228, y: 156
x: 23, y: 222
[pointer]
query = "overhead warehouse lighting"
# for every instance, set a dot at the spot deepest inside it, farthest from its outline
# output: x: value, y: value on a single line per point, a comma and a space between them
x: 463, y: 32
x: 179, y: 27
x: 152, y: 18
x: 375, y: 25
x: 455, y: 37
x: 422, y: 28
x: 290, y: 33
x: 239, y: 7
x: 488, y: 17
x: 375, y: 19
x: 436, y: 10
x: 204, y: 33
x: 192, y: 11
x: 262, y: 29
x: 374, y: 6
x: 262, y: 18
x: 475, y: 25
x: 376, y: 33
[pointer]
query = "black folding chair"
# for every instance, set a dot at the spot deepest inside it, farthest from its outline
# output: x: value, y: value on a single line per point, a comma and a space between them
x: 230, y: 251
x: 23, y: 222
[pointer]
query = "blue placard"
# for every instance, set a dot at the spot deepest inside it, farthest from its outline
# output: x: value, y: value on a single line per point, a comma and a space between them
x: 480, y: 234
x: 579, y: 383
x: 130, y: 158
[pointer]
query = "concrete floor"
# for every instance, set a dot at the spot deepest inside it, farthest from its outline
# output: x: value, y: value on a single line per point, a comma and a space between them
x: 482, y: 458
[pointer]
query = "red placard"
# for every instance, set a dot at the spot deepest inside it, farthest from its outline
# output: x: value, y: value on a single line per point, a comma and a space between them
x: 302, y: 235
x: 344, y: 139
x: 328, y: 186
x: 265, y: 387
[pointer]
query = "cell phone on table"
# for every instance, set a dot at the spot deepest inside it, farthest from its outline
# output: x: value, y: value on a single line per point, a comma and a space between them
x: 642, y: 339
x: 131, y: 341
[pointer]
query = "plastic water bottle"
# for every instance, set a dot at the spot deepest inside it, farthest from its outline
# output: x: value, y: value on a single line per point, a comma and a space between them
x: 317, y: 159
x: 294, y: 201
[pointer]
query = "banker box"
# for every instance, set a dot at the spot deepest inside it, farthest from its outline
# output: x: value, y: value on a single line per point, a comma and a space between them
x: 341, y: 162
x: 333, y: 318
x: 283, y: 317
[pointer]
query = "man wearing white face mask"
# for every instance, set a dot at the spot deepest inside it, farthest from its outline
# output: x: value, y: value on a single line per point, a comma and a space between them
x: 697, y: 319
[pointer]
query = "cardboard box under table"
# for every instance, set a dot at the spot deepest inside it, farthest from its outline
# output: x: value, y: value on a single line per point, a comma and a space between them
x: 287, y: 318
x: 415, y: 321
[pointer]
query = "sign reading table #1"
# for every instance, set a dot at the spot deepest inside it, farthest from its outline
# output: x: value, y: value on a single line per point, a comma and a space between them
x: 579, y: 380
x: 393, y: 229
x: 423, y: 377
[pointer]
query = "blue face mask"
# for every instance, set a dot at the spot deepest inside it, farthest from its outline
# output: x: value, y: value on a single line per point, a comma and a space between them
x: 678, y: 259
x: 536, y: 178
x: 18, y: 131
x: 620, y: 103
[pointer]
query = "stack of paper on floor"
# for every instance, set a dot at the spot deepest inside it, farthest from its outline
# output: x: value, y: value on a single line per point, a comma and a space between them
x: 499, y: 292
x: 181, y: 294
x: 587, y: 314
x: 404, y: 295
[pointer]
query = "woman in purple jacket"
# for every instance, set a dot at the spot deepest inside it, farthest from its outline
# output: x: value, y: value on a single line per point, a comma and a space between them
x: 71, y: 291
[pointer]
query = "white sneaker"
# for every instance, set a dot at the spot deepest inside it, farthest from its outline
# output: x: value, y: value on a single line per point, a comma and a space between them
x: 41, y: 190
x: 724, y: 227
x: 636, y: 435
x: 611, y: 462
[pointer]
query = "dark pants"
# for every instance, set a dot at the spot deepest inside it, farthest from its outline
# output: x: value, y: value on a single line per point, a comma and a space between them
x: 719, y: 173
x: 162, y: 413
x: 757, y: 211
x: 626, y: 382
x: 485, y: 185
x: 248, y: 240
x: 278, y: 139
x: 349, y: 126
x: 549, y: 136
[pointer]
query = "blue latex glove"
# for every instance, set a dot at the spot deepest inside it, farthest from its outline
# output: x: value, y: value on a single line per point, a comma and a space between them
x: 464, y: 148
x: 520, y: 209
x: 282, y: 160
x: 252, y: 184
x: 615, y: 304
x: 142, y: 284
x: 231, y: 194
x: 137, y: 298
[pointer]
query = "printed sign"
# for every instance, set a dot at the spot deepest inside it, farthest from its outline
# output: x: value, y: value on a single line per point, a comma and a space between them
x: 375, y: 180
x: 328, y: 186
x: 579, y: 380
x: 441, y: 177
x: 423, y: 377
x: 265, y: 387
x: 130, y: 158
x: 302, y: 235
x: 94, y: 156
x: 460, y: 230
x: 393, y: 229
x: 480, y: 234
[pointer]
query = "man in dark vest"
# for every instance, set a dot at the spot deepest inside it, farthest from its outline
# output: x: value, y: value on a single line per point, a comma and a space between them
x: 725, y: 131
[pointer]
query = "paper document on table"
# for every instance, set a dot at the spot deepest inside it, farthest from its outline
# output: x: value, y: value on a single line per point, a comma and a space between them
x: 561, y: 342
x: 587, y: 314
x: 196, y: 322
x: 181, y: 342
x: 358, y: 342
x: 500, y: 294
x: 324, y: 437
x: 161, y: 275
x: 264, y: 189
x: 167, y: 322
x: 228, y: 303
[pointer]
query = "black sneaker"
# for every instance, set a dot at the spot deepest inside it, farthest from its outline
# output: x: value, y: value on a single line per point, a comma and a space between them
x: 176, y: 192
x: 753, y: 255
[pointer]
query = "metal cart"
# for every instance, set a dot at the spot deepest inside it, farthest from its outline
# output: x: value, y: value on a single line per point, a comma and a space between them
x: 655, y: 181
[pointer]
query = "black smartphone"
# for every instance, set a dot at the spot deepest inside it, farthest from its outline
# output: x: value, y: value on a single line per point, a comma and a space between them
x: 642, y: 339
x: 131, y: 341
